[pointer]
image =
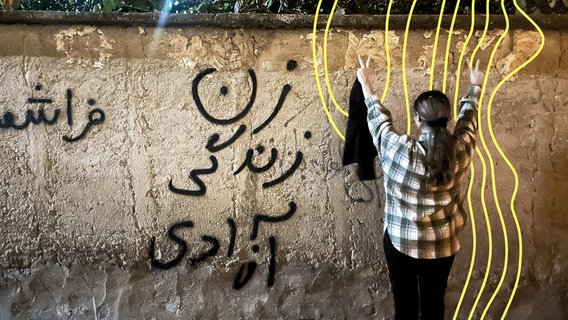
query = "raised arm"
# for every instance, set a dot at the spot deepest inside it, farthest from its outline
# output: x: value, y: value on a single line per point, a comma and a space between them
x: 378, y: 117
x: 470, y: 101
x: 466, y: 125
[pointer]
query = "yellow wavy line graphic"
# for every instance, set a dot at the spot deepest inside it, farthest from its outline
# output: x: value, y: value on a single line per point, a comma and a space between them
x: 511, y: 167
x: 440, y: 17
x: 316, y: 73
x: 472, y: 178
x: 462, y: 55
x: 387, y: 52
x: 474, y: 245
x: 448, y: 46
x: 326, y: 73
x: 482, y: 139
x: 326, y: 70
x: 404, y: 82
x: 489, y: 233
x: 482, y: 159
x: 493, y: 180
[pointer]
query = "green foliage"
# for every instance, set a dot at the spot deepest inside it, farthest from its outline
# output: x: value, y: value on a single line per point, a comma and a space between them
x: 213, y: 6
x: 282, y: 6
x: 63, y: 5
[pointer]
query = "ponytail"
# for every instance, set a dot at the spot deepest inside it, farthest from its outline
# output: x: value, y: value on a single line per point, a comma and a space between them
x: 433, y: 107
x: 440, y: 158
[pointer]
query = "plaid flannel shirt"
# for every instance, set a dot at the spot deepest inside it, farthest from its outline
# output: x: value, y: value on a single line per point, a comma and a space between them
x: 423, y: 221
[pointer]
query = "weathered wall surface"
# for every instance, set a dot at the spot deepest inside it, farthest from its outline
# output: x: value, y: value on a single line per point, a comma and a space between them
x: 192, y: 172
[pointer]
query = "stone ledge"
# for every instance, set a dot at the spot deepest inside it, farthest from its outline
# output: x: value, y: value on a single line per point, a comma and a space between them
x: 274, y: 21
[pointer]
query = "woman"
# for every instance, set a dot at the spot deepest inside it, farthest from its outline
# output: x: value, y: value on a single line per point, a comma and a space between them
x: 423, y: 181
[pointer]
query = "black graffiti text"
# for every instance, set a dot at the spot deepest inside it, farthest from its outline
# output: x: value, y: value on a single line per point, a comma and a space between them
x: 36, y: 117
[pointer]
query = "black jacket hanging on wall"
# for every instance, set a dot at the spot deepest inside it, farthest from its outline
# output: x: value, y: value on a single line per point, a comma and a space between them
x: 359, y: 146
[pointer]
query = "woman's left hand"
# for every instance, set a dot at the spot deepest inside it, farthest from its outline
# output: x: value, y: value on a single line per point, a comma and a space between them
x: 363, y: 75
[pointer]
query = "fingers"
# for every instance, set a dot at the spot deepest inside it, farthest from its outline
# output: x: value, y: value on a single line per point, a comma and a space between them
x: 364, y: 64
x: 470, y: 66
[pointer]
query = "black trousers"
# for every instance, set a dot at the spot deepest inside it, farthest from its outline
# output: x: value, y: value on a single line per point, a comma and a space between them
x: 418, y: 285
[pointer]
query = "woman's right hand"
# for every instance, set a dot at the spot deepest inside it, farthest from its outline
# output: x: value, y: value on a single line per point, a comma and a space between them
x: 476, y: 77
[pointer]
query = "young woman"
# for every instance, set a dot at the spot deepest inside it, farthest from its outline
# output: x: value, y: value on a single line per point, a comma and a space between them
x: 423, y: 180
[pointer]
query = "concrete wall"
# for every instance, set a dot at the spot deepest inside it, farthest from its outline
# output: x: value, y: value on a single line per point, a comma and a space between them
x: 192, y: 172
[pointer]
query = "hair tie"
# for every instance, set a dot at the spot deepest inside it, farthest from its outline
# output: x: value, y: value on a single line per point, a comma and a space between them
x: 438, y: 123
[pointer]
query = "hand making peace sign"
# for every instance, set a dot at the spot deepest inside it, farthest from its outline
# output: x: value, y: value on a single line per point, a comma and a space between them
x: 363, y: 75
x: 363, y: 72
x: 476, y: 77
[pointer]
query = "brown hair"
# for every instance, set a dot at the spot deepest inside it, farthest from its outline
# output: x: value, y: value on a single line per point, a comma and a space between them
x: 434, y: 108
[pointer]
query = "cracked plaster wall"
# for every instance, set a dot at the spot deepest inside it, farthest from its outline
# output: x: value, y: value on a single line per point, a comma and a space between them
x: 77, y: 217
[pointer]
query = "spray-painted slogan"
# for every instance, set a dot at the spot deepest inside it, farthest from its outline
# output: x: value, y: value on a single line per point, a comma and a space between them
x: 213, y: 145
x: 10, y: 121
x: 42, y: 115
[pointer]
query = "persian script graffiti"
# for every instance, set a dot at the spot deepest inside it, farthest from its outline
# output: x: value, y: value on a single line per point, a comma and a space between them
x: 214, y: 145
x: 247, y: 270
x: 10, y: 121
